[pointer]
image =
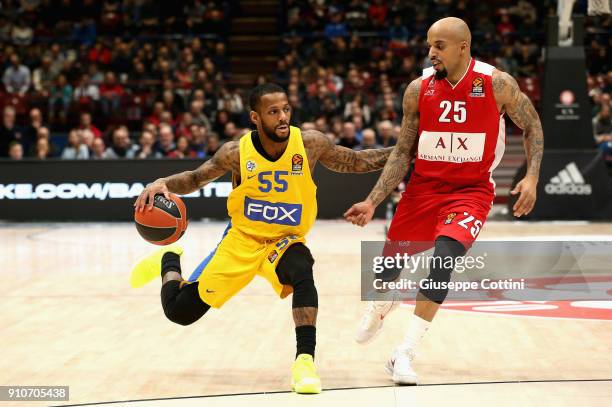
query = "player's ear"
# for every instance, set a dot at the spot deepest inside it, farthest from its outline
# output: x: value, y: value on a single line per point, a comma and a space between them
x: 254, y: 117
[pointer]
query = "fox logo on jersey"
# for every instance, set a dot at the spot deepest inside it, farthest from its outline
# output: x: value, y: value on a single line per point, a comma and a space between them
x: 279, y: 213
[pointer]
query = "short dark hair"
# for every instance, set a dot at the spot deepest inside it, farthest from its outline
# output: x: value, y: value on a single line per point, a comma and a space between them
x: 261, y: 90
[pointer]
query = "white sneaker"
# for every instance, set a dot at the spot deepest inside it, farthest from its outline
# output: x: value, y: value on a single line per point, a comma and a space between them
x: 399, y: 366
x: 372, y: 321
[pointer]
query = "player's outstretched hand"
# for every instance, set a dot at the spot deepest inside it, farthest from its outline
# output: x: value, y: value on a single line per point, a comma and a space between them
x: 145, y: 199
x: 360, y: 213
x: 527, y: 188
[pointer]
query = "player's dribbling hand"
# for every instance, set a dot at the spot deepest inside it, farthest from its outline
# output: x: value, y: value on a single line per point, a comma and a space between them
x: 527, y: 188
x: 360, y: 213
x: 145, y: 199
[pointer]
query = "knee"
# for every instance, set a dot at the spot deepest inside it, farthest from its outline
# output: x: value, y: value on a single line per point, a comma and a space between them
x: 295, y: 270
x: 441, y: 267
x: 182, y: 306
x: 295, y: 267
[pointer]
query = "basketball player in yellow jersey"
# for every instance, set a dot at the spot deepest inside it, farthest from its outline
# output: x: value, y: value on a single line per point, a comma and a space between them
x: 272, y: 207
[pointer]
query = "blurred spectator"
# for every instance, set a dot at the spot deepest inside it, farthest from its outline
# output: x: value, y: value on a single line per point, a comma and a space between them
x: 155, y: 117
x: 526, y: 61
x: 98, y: 149
x: 183, y: 149
x: 377, y: 13
x: 230, y: 131
x: 85, y: 32
x: 398, y: 34
x: 16, y: 77
x: 58, y: 58
x: 60, y: 97
x: 95, y: 76
x: 197, y: 114
x: 165, y: 145
x: 110, y: 94
x: 348, y: 137
x: 183, y: 129
x: 99, y: 54
x: 87, y: 138
x: 86, y: 124
x: 385, y: 133
x: 75, y: 149
x: 231, y: 102
x: 121, y: 146
x: 357, y: 14
x: 369, y: 140
x: 43, y: 149
x: 15, y: 151
x: 221, y: 120
x: 21, y: 33
x: 213, y: 145
x: 36, y: 122
x: 199, y: 139
x: 146, y: 146
x: 357, y: 108
x: 8, y: 131
x: 51, y: 149
x: 86, y: 93
x: 336, y: 26
x: 43, y: 77
x: 505, y: 27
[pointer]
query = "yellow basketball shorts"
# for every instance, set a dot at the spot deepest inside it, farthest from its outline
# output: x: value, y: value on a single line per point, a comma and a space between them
x: 235, y: 262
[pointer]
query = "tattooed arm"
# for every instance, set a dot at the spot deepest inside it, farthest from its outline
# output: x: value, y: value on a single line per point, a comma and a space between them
x: 226, y: 158
x: 342, y: 159
x: 523, y: 114
x: 397, y: 164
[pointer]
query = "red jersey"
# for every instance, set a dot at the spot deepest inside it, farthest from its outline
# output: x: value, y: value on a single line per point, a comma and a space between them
x: 461, y: 136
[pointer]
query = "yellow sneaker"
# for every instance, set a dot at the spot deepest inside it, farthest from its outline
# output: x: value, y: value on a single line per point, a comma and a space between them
x: 304, y: 378
x: 149, y: 267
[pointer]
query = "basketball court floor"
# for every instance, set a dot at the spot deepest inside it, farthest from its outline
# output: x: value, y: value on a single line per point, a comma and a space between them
x: 69, y: 317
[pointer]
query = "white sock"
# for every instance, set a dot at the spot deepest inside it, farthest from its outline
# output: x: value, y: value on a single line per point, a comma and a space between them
x: 416, y: 330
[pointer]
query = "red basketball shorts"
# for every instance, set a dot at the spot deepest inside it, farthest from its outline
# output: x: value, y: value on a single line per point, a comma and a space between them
x: 422, y: 218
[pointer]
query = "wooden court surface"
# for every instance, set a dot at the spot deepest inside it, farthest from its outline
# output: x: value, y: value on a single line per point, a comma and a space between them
x: 69, y: 317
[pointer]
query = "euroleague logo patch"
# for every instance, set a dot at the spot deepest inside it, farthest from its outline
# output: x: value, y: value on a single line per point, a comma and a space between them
x: 297, y: 162
x: 477, y: 87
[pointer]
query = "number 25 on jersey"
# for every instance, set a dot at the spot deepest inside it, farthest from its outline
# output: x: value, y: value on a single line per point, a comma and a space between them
x: 458, y: 115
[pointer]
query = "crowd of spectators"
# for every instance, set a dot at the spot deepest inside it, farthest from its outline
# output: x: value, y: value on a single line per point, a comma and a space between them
x: 149, y: 79
x: 352, y: 59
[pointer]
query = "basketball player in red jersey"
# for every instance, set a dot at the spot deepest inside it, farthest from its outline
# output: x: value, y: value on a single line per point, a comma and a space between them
x: 453, y: 119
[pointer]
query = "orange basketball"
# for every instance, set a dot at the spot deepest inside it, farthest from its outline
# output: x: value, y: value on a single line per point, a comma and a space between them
x: 165, y: 223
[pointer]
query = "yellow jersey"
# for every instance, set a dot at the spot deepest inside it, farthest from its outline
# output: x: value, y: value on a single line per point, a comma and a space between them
x: 274, y: 199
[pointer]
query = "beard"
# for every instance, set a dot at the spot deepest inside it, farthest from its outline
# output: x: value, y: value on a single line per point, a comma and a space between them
x: 441, y: 74
x: 270, y: 133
